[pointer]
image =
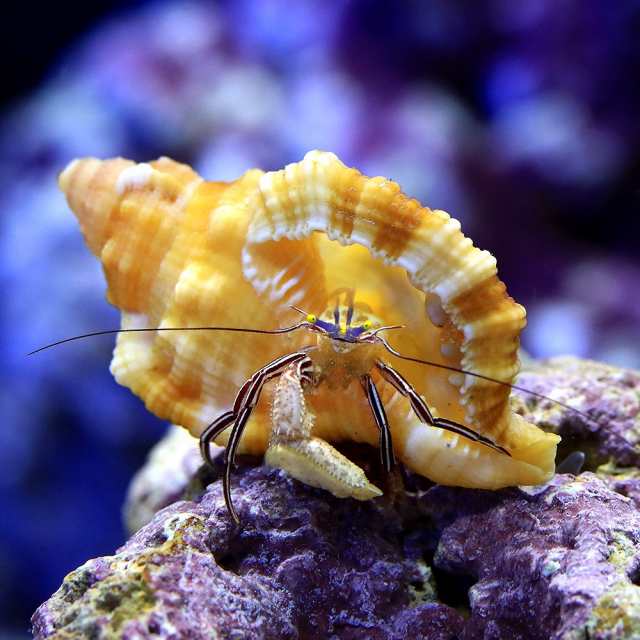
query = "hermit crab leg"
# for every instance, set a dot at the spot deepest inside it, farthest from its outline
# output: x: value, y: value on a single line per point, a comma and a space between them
x: 229, y: 458
x: 222, y: 422
x: 423, y: 412
x: 244, y: 403
x: 386, y: 446
x: 456, y: 427
x: 212, y: 432
x: 249, y: 394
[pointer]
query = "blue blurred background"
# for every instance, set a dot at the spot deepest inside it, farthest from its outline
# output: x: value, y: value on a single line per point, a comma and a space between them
x: 520, y: 118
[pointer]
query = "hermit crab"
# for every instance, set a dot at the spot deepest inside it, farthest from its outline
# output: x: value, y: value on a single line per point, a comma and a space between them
x: 288, y: 310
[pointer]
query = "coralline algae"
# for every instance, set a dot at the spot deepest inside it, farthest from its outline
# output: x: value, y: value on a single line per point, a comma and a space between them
x: 304, y: 564
x: 560, y: 561
x: 551, y: 562
x: 610, y: 396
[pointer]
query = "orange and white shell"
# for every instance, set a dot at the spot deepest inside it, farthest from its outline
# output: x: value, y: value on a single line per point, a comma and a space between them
x: 181, y: 251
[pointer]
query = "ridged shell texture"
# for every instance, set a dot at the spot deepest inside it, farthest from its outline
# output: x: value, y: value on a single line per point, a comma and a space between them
x: 180, y: 251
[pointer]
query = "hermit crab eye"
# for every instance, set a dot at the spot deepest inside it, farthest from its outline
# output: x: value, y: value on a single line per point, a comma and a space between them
x: 311, y: 318
x: 367, y: 324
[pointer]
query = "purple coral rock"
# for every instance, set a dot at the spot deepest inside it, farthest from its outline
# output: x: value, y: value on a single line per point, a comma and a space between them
x: 558, y: 561
x: 622, y: 480
x: 608, y: 399
x: 303, y: 564
x: 541, y: 563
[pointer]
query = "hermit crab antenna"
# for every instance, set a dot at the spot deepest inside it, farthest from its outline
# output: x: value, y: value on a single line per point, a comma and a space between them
x: 351, y: 294
x: 388, y: 327
x: 349, y: 315
x: 438, y: 365
x: 298, y: 309
x: 107, y: 332
x: 349, y: 297
x: 372, y: 333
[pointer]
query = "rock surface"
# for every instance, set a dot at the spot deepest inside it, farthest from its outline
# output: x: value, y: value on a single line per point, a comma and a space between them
x: 304, y: 564
x: 609, y: 396
x: 558, y: 561
x: 169, y: 468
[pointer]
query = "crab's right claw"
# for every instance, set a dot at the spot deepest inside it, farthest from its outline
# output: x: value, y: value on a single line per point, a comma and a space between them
x: 316, y: 463
x: 307, y: 458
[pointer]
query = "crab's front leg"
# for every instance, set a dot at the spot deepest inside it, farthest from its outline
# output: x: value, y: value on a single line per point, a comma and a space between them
x: 423, y: 412
x: 305, y: 457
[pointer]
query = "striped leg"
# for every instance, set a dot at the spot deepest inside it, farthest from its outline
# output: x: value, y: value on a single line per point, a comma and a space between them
x: 212, y: 432
x: 244, y: 403
x: 229, y: 457
x: 386, y: 446
x: 249, y: 394
x: 421, y: 409
x: 221, y: 423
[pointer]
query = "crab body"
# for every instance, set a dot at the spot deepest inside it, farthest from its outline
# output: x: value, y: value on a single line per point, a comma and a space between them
x: 339, y: 363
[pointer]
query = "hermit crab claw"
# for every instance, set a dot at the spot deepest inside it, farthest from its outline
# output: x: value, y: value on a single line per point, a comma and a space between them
x: 316, y: 463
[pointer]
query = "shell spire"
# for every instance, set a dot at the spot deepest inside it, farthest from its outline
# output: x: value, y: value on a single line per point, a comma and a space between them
x: 180, y: 251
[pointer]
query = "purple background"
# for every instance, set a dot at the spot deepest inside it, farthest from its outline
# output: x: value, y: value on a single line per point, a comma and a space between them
x: 520, y: 119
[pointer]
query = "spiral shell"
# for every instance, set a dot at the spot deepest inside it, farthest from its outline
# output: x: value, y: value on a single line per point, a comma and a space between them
x: 180, y: 251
